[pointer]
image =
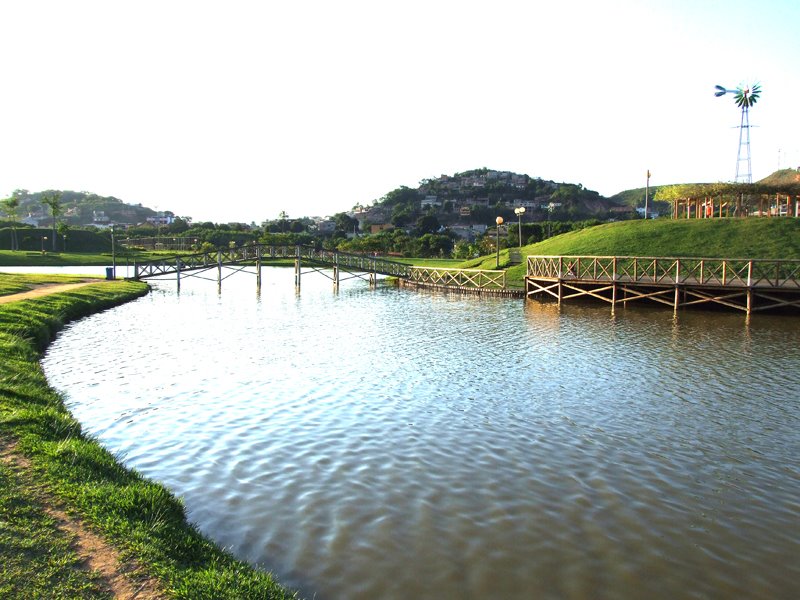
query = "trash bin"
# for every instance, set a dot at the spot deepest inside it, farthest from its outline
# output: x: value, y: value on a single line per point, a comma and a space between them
x: 109, y: 272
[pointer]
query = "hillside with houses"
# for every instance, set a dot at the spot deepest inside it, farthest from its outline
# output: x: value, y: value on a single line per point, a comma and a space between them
x: 82, y: 209
x: 468, y: 203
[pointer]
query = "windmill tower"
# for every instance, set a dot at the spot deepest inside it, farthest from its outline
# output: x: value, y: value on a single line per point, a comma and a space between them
x: 745, y: 97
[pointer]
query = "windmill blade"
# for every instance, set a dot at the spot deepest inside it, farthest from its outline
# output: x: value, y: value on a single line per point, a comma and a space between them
x: 747, y: 96
x: 742, y: 97
x: 755, y: 92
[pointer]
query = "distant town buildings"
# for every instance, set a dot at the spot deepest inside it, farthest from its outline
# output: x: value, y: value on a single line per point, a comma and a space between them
x: 162, y: 218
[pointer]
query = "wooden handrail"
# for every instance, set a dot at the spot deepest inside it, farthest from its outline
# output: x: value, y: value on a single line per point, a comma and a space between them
x: 711, y: 272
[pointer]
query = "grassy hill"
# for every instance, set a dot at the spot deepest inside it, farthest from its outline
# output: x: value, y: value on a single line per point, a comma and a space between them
x: 703, y: 238
x: 782, y: 177
x: 634, y: 197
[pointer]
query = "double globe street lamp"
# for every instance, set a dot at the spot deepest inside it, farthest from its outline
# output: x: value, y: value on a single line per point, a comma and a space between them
x: 519, y: 211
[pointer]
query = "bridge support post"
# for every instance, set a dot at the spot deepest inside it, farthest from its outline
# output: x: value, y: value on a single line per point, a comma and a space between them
x: 613, y: 297
x: 750, y: 286
x: 297, y: 266
x: 373, y: 279
x: 336, y: 272
x: 178, y: 273
x: 258, y: 269
x: 614, y: 285
x: 136, y: 270
x: 219, y: 271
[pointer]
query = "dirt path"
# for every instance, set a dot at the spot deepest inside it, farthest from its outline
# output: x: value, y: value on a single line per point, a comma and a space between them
x: 44, y: 290
x: 123, y: 580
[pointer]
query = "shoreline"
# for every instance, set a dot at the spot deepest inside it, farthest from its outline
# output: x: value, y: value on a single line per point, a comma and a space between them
x: 49, y: 463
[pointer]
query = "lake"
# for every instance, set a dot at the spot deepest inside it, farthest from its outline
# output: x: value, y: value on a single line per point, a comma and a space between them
x: 392, y: 444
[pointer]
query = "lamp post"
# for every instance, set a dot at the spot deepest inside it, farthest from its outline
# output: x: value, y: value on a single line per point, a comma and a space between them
x: 519, y: 212
x: 44, y: 239
x: 499, y: 221
x: 113, y: 255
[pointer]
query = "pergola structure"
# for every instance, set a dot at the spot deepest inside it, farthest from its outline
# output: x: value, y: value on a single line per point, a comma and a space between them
x: 715, y: 200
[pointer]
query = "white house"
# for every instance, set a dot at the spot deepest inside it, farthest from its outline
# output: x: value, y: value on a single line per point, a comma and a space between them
x: 430, y: 201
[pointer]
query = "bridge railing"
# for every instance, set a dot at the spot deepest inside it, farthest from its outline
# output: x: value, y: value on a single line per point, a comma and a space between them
x: 697, y: 271
x: 358, y: 262
x: 253, y: 252
x: 473, y: 278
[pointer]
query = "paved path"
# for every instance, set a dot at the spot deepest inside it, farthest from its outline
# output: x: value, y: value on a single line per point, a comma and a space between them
x: 44, y: 290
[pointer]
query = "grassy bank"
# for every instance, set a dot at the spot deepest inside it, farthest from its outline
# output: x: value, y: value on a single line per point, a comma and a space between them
x: 707, y: 238
x: 141, y: 519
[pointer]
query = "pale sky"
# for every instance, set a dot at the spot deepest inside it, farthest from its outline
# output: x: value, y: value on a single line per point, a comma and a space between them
x: 236, y: 110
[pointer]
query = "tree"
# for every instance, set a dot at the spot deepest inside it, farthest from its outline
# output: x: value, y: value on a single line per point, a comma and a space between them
x: 53, y: 200
x: 179, y: 225
x: 401, y: 215
x: 63, y: 230
x: 345, y: 223
x: 282, y: 216
x: 402, y: 195
x: 428, y: 224
x: 10, y: 207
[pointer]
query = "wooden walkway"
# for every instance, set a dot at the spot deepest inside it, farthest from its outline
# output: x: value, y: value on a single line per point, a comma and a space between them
x: 741, y: 284
x: 331, y: 263
x: 234, y: 260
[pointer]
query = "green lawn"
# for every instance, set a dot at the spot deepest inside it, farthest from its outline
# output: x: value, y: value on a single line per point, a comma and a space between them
x: 429, y: 262
x: 73, y: 259
x: 777, y: 238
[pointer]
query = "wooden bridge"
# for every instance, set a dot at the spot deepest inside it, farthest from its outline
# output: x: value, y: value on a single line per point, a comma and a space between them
x: 233, y: 260
x: 330, y: 263
x: 747, y: 285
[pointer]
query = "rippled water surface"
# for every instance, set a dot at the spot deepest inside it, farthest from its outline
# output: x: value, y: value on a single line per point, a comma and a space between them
x: 391, y: 444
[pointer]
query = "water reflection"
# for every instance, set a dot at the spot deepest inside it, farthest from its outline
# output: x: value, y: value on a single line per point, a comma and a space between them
x: 390, y: 444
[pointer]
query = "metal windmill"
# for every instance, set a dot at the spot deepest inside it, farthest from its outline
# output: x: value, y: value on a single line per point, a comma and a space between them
x: 745, y: 97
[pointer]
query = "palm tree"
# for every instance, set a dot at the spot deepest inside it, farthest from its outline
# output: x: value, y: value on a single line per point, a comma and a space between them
x: 10, y: 206
x: 53, y: 200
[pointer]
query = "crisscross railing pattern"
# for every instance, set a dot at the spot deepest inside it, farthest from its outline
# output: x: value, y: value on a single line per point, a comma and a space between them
x: 473, y: 278
x: 710, y: 272
x: 741, y: 284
